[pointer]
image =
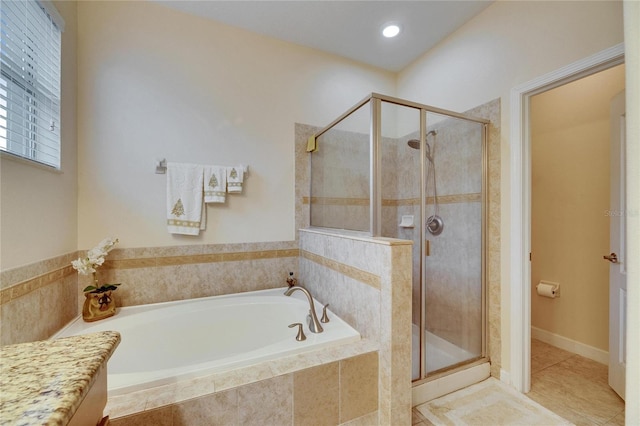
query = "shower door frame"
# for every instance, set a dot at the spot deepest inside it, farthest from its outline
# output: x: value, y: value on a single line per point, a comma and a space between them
x: 375, y: 207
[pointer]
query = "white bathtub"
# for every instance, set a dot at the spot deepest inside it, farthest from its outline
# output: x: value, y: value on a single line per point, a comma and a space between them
x: 166, y: 342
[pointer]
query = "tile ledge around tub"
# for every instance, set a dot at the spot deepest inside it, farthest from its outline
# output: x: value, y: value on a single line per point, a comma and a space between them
x: 173, y: 393
x: 354, y: 235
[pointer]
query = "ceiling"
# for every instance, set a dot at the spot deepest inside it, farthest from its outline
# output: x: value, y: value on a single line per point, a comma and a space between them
x: 347, y: 28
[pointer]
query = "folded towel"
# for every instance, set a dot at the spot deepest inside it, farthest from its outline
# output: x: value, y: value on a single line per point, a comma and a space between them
x: 235, y: 176
x: 215, y: 184
x: 184, y: 198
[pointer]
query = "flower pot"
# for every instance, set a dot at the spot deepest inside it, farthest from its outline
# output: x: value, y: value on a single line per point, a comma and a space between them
x: 98, y: 306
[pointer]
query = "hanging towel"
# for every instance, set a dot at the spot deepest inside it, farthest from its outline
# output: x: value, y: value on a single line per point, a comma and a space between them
x: 215, y: 184
x: 185, y: 198
x: 235, y: 176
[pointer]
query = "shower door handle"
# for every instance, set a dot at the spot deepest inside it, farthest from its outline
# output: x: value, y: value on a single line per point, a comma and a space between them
x: 613, y: 258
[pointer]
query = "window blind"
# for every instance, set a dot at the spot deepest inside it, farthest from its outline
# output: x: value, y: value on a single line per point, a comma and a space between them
x: 30, y: 46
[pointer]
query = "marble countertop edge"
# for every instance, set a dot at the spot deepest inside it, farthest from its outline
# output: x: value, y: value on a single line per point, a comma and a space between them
x: 45, y: 382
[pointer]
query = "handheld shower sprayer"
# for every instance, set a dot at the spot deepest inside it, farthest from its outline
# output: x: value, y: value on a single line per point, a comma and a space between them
x: 434, y: 224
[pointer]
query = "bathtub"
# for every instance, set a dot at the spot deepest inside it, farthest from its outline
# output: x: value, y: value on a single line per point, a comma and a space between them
x: 172, y: 341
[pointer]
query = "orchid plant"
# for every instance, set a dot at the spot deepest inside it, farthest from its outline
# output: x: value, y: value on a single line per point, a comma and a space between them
x: 95, y: 258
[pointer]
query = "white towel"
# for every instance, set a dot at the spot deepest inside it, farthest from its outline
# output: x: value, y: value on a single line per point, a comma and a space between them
x: 215, y: 184
x: 184, y: 198
x: 235, y: 176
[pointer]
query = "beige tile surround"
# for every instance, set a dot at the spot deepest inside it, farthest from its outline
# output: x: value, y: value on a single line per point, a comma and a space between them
x: 291, y: 394
x: 185, y: 401
x: 147, y: 275
x: 336, y: 272
x: 31, y: 293
x: 397, y: 205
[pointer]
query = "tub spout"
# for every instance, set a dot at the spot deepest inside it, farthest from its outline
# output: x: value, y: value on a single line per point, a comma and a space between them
x: 314, y: 324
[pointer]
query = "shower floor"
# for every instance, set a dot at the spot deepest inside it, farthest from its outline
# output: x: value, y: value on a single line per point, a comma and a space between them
x: 440, y: 352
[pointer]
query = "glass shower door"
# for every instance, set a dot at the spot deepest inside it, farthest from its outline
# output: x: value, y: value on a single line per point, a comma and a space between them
x: 401, y: 181
x: 453, y: 262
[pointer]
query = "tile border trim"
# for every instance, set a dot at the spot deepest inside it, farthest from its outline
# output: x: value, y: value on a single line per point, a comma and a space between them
x: 474, y: 197
x: 32, y: 284
x: 365, y: 277
x: 150, y: 262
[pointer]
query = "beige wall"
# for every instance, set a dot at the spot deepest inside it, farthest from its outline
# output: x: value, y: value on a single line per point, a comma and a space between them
x: 154, y: 82
x: 570, y: 197
x: 509, y: 43
x: 38, y: 206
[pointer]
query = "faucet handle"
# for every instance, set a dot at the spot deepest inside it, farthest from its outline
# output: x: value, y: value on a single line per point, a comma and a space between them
x: 300, y: 337
x: 325, y: 318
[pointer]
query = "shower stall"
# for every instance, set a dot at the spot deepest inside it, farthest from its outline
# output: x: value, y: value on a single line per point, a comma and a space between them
x: 392, y: 168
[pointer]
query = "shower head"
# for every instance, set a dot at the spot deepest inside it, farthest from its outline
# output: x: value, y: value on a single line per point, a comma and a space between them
x: 415, y: 143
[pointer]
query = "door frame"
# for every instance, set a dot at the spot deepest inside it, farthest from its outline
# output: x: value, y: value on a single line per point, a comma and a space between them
x: 520, y: 202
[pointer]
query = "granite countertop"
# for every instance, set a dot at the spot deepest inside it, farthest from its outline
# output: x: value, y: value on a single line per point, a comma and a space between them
x: 44, y: 382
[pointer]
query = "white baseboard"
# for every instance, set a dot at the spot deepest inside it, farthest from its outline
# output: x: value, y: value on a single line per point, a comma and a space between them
x: 505, y: 377
x: 570, y: 345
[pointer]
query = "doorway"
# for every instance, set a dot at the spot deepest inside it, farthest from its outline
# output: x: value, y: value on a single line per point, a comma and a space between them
x: 520, y: 204
x: 570, y: 219
x: 570, y: 215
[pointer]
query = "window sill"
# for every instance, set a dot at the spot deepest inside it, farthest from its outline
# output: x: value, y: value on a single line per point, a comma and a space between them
x: 4, y: 155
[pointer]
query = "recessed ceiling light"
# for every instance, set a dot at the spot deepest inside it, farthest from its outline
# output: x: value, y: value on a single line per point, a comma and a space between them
x: 391, y: 30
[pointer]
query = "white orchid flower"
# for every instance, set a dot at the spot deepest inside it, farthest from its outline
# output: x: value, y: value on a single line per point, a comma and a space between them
x: 95, y: 257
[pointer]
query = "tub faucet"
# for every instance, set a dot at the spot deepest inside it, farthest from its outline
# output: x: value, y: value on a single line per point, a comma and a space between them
x: 314, y: 324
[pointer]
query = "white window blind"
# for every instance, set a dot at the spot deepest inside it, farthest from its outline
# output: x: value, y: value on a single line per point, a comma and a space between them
x: 30, y: 46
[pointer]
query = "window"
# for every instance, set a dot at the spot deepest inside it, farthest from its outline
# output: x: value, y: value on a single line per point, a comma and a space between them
x: 31, y: 34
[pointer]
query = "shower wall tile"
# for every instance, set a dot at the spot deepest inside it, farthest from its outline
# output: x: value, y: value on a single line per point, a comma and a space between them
x: 458, y: 157
x: 355, y: 302
x: 454, y: 274
x: 342, y: 157
x: 459, y: 179
x: 491, y: 111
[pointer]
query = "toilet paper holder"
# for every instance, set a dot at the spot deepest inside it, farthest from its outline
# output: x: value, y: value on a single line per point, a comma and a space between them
x: 548, y: 289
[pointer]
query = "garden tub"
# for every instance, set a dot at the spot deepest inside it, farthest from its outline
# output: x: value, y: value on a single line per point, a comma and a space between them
x: 171, y: 341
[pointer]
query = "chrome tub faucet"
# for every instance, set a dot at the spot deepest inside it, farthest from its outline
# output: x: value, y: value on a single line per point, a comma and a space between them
x: 314, y: 324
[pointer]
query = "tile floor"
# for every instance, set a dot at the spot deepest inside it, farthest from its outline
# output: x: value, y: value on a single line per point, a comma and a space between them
x: 574, y: 387
x: 571, y: 386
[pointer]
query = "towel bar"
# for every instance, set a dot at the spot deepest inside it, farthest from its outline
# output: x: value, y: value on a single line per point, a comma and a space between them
x: 161, y: 166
